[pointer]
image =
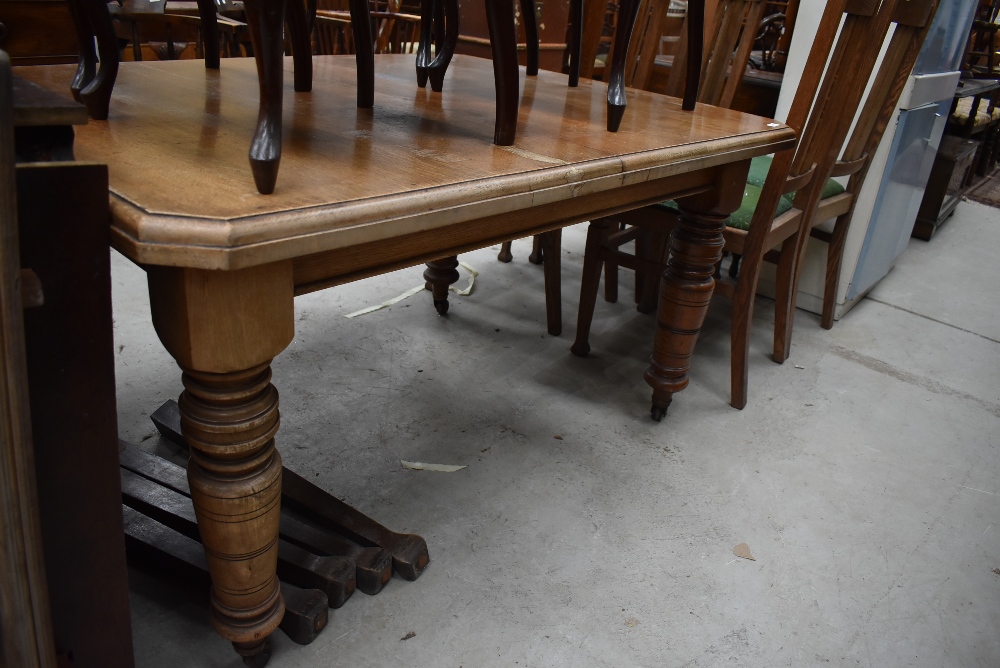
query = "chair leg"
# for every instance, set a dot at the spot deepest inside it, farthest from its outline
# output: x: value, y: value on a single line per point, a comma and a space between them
x: 209, y: 32
x: 298, y: 31
x: 656, y: 248
x: 505, y: 255
x: 611, y: 281
x: 575, y: 41
x: 784, y: 299
x: 361, y: 29
x: 537, y: 250
x: 266, y: 20
x: 597, y: 234
x: 531, y: 35
x: 503, y: 43
x: 834, y: 256
x: 552, y: 243
x: 628, y: 9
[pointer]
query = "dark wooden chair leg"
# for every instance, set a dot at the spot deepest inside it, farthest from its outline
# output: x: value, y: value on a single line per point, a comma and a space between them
x: 446, y: 12
x: 552, y: 243
x: 364, y: 44
x: 538, y: 250
x: 96, y: 94
x: 597, y: 234
x: 87, y: 68
x: 695, y: 44
x: 426, y: 41
x: 209, y: 32
x: 439, y: 275
x: 503, y: 42
x: 530, y: 35
x: 298, y: 32
x: 575, y: 41
x: 505, y: 255
x: 627, y: 11
x: 655, y: 248
x: 266, y: 20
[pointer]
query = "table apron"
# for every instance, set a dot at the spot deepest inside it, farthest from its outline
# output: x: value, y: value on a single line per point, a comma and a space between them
x: 343, y: 265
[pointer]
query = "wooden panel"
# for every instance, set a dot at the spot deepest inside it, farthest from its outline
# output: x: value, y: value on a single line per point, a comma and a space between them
x: 25, y: 628
x: 419, y: 161
x: 70, y: 348
x: 38, y: 32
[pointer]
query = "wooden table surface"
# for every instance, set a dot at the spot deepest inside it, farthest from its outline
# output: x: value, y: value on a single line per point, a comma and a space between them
x: 420, y: 161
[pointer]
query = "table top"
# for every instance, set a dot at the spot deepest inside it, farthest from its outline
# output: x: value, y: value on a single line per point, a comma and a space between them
x: 37, y: 106
x: 182, y: 194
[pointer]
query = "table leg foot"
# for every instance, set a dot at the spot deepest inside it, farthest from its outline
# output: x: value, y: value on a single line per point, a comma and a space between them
x: 167, y: 552
x: 255, y: 655
x: 439, y: 276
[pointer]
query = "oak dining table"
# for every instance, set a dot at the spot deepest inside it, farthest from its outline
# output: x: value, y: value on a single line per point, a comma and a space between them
x: 416, y: 179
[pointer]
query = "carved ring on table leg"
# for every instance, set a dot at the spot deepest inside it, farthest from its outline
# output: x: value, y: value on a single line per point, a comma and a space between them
x: 229, y: 420
x: 685, y: 292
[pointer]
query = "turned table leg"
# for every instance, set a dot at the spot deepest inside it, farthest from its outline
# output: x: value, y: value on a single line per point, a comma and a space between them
x: 266, y: 19
x: 439, y: 276
x: 687, y: 283
x: 223, y: 328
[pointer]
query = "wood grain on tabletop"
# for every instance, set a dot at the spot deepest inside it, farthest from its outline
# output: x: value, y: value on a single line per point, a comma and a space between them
x: 177, y: 136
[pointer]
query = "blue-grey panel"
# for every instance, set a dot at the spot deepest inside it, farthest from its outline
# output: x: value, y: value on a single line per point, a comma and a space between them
x: 945, y: 43
x: 911, y: 156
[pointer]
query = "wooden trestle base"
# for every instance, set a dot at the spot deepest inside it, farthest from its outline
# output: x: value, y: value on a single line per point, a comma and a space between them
x: 326, y: 549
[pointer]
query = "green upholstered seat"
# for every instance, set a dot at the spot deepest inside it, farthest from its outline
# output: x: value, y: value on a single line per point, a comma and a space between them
x: 759, y: 166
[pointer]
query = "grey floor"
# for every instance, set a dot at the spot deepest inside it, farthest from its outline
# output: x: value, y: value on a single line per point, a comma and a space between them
x: 864, y: 475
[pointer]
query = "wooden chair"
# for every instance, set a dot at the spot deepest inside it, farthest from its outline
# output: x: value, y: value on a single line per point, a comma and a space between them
x: 781, y: 196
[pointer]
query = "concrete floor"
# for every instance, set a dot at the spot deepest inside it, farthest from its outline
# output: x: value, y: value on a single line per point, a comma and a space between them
x: 864, y: 475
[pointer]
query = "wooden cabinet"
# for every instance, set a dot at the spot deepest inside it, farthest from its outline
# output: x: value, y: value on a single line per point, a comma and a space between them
x: 947, y: 184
